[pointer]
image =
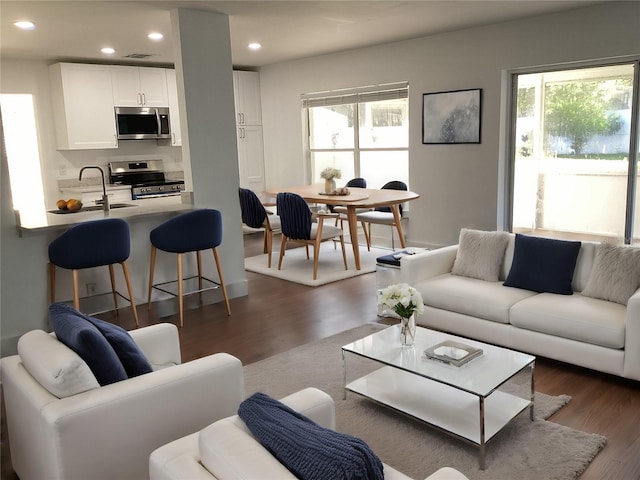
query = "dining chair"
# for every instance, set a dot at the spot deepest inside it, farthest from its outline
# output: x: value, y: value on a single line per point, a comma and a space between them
x: 357, y: 182
x: 297, y: 226
x: 93, y: 244
x: 192, y: 231
x: 255, y: 215
x: 381, y: 215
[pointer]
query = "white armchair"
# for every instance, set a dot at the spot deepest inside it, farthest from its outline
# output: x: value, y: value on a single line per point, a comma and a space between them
x: 86, y: 431
x: 227, y: 450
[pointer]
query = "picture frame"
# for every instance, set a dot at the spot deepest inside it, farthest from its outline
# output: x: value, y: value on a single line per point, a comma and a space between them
x: 452, y: 117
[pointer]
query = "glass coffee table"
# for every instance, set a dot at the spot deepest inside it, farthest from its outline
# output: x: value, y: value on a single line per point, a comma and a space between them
x: 464, y: 401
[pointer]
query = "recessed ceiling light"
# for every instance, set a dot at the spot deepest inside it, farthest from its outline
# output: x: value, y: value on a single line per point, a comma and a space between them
x: 25, y: 25
x: 108, y: 50
x: 155, y: 36
x: 255, y: 46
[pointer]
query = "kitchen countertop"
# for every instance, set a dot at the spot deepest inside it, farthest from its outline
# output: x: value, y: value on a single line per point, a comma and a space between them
x: 39, y: 220
x: 95, y: 188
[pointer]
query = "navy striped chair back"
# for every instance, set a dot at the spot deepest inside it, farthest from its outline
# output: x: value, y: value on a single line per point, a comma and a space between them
x: 357, y: 182
x: 295, y: 216
x: 253, y: 212
x: 392, y: 185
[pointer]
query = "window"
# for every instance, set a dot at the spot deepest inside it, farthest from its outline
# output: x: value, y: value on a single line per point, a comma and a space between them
x: 574, y: 153
x: 377, y: 150
x: 23, y: 156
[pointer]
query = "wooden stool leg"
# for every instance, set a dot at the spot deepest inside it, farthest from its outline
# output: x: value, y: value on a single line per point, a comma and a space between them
x: 152, y: 263
x: 199, y: 263
x: 132, y: 300
x: 76, y: 294
x: 344, y: 252
x: 112, y: 277
x: 52, y: 282
x: 222, y: 284
x: 268, y: 235
x: 283, y: 246
x: 316, y: 254
x: 180, y: 300
x: 366, y: 235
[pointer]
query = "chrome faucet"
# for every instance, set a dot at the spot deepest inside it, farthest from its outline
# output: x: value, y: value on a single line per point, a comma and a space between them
x: 105, y: 197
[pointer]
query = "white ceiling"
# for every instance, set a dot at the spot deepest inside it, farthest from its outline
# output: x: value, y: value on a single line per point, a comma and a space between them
x: 77, y: 30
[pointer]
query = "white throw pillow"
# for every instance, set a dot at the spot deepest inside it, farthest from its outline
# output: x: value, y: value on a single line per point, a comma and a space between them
x: 480, y: 254
x: 615, y: 275
x: 54, y: 365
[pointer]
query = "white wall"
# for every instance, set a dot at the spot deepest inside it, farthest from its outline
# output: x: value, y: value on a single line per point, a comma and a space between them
x: 458, y: 184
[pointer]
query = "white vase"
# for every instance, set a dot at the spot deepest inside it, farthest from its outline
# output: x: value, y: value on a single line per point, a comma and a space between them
x: 329, y: 186
x: 407, y: 331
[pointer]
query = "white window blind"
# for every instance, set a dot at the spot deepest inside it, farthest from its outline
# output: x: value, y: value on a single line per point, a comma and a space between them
x: 372, y: 93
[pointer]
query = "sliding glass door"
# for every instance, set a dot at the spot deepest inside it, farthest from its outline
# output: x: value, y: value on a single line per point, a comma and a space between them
x: 574, y: 153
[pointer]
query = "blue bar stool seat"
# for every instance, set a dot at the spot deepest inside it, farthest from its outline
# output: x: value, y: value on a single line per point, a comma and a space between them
x: 188, y: 232
x: 88, y: 245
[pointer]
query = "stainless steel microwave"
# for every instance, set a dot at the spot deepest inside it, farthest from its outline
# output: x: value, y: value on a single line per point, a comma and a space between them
x: 142, y: 123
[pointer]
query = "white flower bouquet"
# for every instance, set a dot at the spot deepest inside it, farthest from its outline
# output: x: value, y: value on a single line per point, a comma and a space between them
x: 407, y: 302
x: 402, y: 299
x: 330, y: 173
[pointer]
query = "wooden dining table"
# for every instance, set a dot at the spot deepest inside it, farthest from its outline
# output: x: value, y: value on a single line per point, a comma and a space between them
x: 358, y: 198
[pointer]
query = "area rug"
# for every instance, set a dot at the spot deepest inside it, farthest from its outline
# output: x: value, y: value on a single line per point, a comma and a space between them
x: 297, y: 268
x: 524, y: 450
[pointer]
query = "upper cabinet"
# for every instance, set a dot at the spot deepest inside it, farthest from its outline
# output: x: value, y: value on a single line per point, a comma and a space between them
x: 139, y: 86
x: 246, y: 89
x: 82, y: 109
x: 174, y: 111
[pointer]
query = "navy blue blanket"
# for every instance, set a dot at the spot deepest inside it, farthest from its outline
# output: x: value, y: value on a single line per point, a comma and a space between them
x: 308, y: 450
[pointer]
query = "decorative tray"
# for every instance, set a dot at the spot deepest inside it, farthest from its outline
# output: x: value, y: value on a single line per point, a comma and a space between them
x: 342, y: 191
x: 452, y: 353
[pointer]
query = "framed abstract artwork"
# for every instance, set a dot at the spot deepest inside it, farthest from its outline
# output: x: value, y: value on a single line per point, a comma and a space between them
x: 451, y: 117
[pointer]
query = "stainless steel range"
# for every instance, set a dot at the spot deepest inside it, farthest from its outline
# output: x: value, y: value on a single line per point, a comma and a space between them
x: 146, y: 178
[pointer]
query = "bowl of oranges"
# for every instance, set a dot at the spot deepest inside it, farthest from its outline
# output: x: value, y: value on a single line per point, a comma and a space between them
x: 72, y: 205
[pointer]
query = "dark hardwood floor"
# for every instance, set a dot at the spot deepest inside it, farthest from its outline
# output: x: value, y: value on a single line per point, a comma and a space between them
x: 278, y: 315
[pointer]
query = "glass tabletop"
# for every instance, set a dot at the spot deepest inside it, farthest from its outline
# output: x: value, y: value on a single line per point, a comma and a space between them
x: 480, y: 376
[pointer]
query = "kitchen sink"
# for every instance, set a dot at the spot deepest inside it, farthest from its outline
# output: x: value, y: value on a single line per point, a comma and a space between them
x: 93, y: 208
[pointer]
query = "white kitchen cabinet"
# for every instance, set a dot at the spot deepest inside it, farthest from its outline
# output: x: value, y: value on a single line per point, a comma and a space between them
x: 246, y: 94
x: 251, y: 157
x: 82, y: 107
x: 139, y: 86
x: 174, y: 111
x: 246, y: 90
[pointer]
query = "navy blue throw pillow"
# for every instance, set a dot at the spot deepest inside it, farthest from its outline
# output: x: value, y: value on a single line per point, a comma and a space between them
x: 86, y: 340
x: 543, y: 264
x: 128, y: 352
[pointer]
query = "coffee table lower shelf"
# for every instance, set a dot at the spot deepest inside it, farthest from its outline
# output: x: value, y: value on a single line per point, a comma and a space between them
x: 450, y: 409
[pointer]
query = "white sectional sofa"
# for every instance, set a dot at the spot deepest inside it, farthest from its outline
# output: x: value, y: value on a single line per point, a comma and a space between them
x: 578, y: 329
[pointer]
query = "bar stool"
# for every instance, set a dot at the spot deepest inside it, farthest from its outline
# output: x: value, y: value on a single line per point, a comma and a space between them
x: 88, y: 245
x: 188, y: 232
